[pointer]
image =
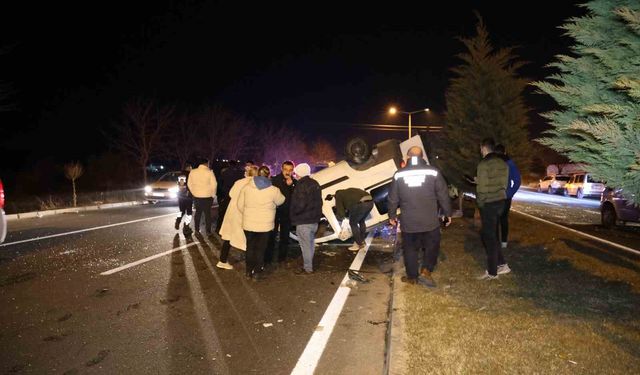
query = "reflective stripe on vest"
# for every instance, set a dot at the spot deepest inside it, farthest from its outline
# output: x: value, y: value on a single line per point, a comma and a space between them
x: 415, y: 177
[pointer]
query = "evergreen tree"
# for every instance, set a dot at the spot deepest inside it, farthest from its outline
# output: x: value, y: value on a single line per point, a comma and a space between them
x: 598, y: 90
x: 484, y: 99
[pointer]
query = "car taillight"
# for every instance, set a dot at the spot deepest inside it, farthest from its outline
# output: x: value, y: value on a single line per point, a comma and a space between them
x: 1, y: 196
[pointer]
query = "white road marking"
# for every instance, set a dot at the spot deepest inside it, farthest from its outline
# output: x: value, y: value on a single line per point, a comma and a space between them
x: 315, y: 347
x: 622, y: 247
x: 133, y: 264
x: 592, y: 212
x: 555, y: 204
x: 85, y: 230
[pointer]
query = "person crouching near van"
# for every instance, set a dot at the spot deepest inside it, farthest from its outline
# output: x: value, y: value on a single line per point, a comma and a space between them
x: 257, y: 203
x: 305, y: 213
x: 231, y: 229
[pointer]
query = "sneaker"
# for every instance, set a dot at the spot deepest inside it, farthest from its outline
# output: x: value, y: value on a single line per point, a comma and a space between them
x: 178, y: 221
x: 354, y: 247
x: 302, y: 271
x: 503, y: 268
x: 407, y: 280
x: 426, y: 279
x: 504, y: 245
x: 224, y: 265
x: 486, y: 276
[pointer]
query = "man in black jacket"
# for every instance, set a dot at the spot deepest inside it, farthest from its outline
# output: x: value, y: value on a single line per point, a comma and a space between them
x: 228, y: 177
x: 286, y: 183
x: 306, y: 212
x: 419, y: 189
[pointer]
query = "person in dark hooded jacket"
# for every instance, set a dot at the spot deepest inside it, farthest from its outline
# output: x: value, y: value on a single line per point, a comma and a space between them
x: 257, y: 203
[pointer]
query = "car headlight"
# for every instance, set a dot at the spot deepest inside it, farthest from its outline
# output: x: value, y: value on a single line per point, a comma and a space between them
x: 147, y: 189
x: 173, y: 190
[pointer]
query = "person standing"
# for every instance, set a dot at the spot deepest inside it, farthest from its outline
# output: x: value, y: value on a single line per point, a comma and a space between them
x: 228, y: 177
x: 257, y: 203
x: 202, y: 184
x: 185, y: 202
x: 491, y: 192
x: 286, y: 183
x: 358, y: 203
x: 231, y: 230
x: 419, y: 190
x: 305, y: 213
x: 512, y: 188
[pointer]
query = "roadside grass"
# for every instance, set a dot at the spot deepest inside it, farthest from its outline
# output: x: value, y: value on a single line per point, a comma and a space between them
x: 569, y: 306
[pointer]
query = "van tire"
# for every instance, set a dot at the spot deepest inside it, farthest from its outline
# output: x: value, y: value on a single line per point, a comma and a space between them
x: 357, y: 150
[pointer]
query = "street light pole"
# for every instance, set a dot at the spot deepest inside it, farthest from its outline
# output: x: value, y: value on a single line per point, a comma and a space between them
x: 393, y: 111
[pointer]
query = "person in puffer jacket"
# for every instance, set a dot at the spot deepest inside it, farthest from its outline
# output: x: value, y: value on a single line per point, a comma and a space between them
x: 257, y: 203
x: 491, y: 193
x: 305, y: 213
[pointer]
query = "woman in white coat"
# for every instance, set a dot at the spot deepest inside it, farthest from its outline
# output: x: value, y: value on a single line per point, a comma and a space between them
x: 231, y: 230
x: 257, y: 203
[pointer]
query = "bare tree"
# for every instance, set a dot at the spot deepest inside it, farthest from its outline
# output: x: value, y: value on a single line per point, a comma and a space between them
x: 140, y: 132
x: 322, y: 152
x: 237, y: 139
x: 73, y: 171
x: 181, y: 139
x: 278, y: 143
x: 213, y: 123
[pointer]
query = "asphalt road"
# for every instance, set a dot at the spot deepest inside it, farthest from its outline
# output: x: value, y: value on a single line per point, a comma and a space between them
x: 579, y: 214
x: 177, y: 313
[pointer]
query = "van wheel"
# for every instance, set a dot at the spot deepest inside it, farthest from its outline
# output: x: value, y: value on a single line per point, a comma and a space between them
x: 358, y: 150
x: 608, y: 216
x: 579, y: 194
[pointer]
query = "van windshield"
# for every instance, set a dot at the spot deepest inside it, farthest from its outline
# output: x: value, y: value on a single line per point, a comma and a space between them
x: 590, y: 179
x: 562, y: 178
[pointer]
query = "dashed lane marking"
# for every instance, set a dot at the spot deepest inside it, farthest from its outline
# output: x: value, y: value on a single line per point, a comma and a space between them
x: 85, y: 230
x: 309, y: 359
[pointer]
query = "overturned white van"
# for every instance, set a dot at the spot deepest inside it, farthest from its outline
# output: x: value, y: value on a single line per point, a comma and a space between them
x: 371, y: 171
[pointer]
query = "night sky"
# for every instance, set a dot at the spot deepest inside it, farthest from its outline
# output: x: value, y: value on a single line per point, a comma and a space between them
x: 315, y: 65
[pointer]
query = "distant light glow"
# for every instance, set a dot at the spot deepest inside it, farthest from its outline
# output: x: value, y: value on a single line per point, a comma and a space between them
x: 393, y: 110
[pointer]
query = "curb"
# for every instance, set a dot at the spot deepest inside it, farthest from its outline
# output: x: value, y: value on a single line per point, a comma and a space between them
x: 396, y: 354
x: 29, y: 215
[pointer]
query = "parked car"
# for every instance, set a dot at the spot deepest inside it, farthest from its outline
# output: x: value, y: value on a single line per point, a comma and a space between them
x: 553, y: 184
x: 370, y: 169
x: 165, y: 188
x: 3, y: 218
x: 615, y: 209
x: 583, y: 185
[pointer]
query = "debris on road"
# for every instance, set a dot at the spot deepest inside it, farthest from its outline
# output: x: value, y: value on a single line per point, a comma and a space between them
x: 267, y: 325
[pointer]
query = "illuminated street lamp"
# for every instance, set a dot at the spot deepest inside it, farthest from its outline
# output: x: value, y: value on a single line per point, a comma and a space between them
x: 393, y: 111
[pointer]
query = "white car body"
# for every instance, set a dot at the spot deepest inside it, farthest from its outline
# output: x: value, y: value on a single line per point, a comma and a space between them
x: 553, y: 184
x: 375, y: 180
x: 583, y: 185
x: 166, y: 188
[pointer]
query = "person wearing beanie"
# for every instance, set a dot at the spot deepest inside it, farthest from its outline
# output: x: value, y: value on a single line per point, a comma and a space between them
x: 305, y: 212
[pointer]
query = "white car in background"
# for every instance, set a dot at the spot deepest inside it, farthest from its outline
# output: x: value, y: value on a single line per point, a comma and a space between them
x: 369, y: 169
x: 553, y: 184
x: 164, y: 189
x: 583, y: 185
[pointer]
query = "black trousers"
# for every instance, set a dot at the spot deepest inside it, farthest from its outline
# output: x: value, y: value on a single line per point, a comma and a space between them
x: 283, y: 226
x: 504, y: 221
x: 223, y: 204
x: 203, y: 205
x: 186, y: 206
x: 357, y: 215
x: 224, y: 253
x: 428, y: 242
x: 490, y: 214
x: 256, y: 246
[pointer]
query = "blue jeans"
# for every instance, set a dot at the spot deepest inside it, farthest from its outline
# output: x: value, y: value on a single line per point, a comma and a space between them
x: 306, y: 236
